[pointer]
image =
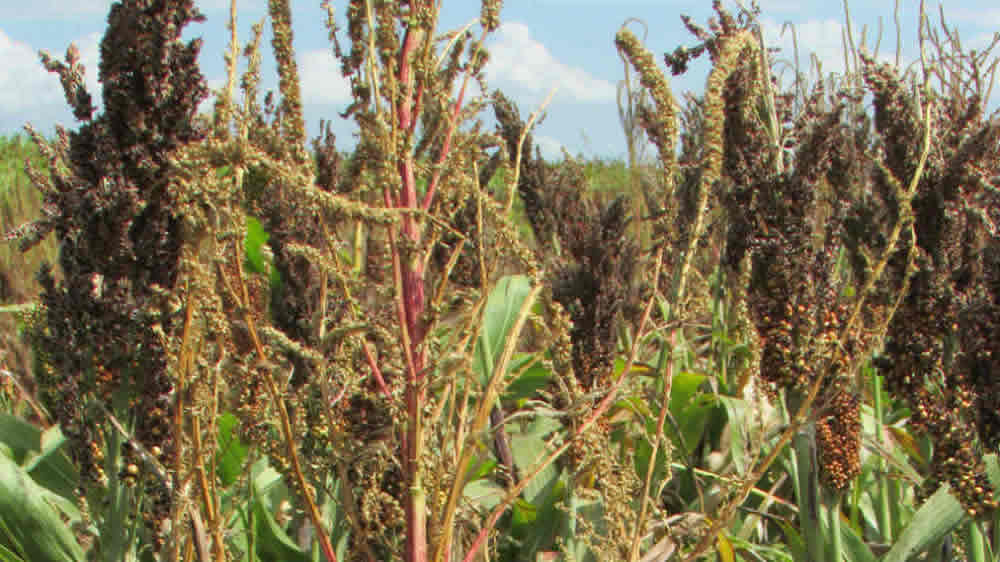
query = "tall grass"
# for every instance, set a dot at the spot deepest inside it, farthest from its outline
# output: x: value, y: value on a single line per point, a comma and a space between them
x: 20, y: 203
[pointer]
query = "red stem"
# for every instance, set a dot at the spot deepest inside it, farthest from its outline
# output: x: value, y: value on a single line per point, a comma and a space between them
x: 376, y: 372
x: 446, y: 147
x: 411, y: 283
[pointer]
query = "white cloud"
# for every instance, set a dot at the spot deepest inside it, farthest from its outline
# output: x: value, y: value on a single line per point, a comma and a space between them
x: 820, y: 37
x: 322, y: 82
x: 24, y: 82
x: 550, y: 147
x: 516, y: 57
x: 30, y: 93
x: 90, y: 56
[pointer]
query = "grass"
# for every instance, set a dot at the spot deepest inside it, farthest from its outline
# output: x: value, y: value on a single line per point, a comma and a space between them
x: 20, y: 202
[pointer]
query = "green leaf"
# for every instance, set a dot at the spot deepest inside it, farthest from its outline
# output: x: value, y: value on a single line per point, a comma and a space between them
x: 502, y: 308
x: 939, y: 515
x: 38, y: 454
x: 725, y: 548
x: 643, y: 452
x: 273, y: 543
x: 51, y: 468
x: 542, y: 534
x: 692, y: 421
x: 30, y: 522
x: 481, y: 470
x: 255, y: 239
x: 855, y: 547
x: 526, y: 385
x: 19, y: 435
x: 684, y: 386
x: 232, y: 454
x: 484, y: 493
x: 528, y: 448
x: 796, y: 545
x: 993, y: 470
x: 736, y: 414
x: 9, y: 555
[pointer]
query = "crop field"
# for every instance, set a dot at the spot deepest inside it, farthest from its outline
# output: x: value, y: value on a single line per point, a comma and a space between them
x: 771, y: 338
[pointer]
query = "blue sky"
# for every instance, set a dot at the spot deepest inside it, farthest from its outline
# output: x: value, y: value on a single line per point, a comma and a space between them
x: 543, y: 44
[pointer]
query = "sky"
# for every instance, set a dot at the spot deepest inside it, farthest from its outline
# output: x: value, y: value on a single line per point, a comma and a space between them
x: 565, y: 46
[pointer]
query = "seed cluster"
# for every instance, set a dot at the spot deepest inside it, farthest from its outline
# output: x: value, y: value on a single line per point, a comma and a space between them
x: 941, y: 342
x: 838, y: 437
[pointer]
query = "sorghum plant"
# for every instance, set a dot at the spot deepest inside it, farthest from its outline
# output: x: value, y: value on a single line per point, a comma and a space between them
x: 938, y: 351
x: 792, y: 184
x: 100, y: 335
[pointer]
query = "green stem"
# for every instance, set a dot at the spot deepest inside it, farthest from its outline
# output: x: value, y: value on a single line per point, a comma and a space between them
x: 976, y: 542
x: 804, y: 448
x: 836, y: 542
x: 884, y: 513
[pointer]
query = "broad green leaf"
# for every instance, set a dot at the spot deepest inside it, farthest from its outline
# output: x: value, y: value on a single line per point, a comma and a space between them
x: 232, y: 454
x: 635, y: 405
x: 643, y: 452
x: 273, y: 544
x: 499, y: 315
x: 29, y: 521
x: 592, y: 512
x: 527, y: 384
x: 993, y: 470
x: 336, y: 517
x: 542, y: 534
x: 523, y: 513
x: 692, y: 421
x: 637, y: 368
x: 854, y: 546
x: 19, y: 435
x: 684, y: 386
x: 528, y: 448
x: 481, y: 470
x: 796, y: 545
x: 736, y: 414
x: 484, y: 493
x: 253, y: 244
x: 8, y: 555
x: 939, y: 515
x: 51, y: 468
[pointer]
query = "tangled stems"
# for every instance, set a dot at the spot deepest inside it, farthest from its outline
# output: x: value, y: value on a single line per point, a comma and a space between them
x: 286, y: 426
x: 602, y: 406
